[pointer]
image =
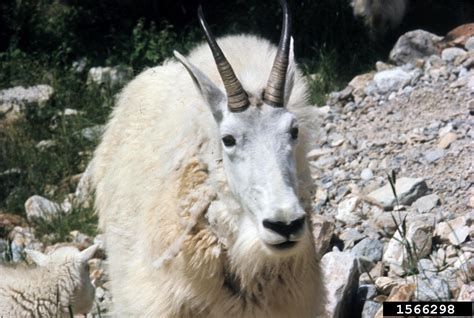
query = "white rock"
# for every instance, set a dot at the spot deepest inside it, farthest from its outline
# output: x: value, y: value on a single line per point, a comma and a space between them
x: 111, y: 76
x: 427, y: 203
x: 79, y: 66
x: 45, y: 144
x: 13, y: 101
x: 467, y: 292
x: 408, y: 190
x: 453, y: 231
x: 70, y: 112
x: 366, y: 174
x: 38, y: 207
x: 316, y: 153
x: 445, y: 130
x: 83, y: 193
x: 391, y: 80
x: 451, y: 53
x: 459, y: 235
x: 470, y: 44
x: 340, y: 269
x: 346, y: 209
x: 39, y: 94
x: 470, y: 83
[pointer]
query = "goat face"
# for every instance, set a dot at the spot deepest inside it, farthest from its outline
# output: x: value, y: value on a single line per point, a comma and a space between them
x: 258, y: 139
x: 259, y: 159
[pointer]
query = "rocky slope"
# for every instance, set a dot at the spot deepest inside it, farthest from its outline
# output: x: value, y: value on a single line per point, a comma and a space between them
x: 416, y: 120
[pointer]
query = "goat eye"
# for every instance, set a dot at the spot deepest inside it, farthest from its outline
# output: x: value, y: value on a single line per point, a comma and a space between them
x: 228, y: 141
x: 294, y: 133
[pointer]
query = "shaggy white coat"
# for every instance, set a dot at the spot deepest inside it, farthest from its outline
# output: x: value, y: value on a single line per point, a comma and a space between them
x: 58, y: 285
x: 161, y: 195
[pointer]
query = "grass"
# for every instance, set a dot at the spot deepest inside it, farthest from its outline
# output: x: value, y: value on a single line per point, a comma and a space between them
x: 324, y: 76
x: 48, y: 172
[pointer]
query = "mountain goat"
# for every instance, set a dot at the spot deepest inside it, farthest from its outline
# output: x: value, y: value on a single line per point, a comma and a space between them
x: 380, y: 16
x: 203, y: 189
x: 58, y: 287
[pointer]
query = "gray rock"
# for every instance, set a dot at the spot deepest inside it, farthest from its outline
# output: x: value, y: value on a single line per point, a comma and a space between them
x: 323, y: 230
x: 427, y: 203
x: 414, y: 45
x: 92, y: 133
x: 470, y: 44
x: 391, y: 80
x: 366, y: 291
x: 370, y: 248
x: 434, y: 155
x: 110, y: 76
x: 385, y: 284
x: 426, y: 267
x: 350, y: 235
x: 408, y: 190
x: 80, y: 65
x: 451, y: 53
x: 370, y: 309
x: 432, y: 288
x: 39, y: 208
x: 366, y: 174
x: 21, y: 238
x: 341, y: 268
x: 364, y: 264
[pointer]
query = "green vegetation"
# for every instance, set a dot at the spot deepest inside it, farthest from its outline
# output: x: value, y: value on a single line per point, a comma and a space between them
x: 40, y: 40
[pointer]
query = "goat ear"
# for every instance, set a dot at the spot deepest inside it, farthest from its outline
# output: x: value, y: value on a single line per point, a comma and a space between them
x: 39, y: 258
x: 88, y: 253
x: 213, y: 96
x: 290, y: 73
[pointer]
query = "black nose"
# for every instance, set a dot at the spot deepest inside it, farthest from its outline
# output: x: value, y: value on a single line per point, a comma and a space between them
x: 284, y: 229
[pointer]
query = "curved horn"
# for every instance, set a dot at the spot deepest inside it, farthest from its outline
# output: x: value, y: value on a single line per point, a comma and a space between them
x: 237, y: 98
x: 275, y: 90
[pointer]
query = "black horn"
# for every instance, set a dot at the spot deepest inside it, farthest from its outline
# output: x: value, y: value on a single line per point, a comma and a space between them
x: 237, y: 98
x: 275, y: 90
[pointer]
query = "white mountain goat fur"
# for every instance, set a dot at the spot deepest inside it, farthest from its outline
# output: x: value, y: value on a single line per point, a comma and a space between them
x: 58, y: 285
x: 202, y: 186
x: 380, y: 16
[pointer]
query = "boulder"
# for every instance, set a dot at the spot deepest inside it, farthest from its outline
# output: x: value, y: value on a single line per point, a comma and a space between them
x: 408, y: 190
x: 341, y: 277
x: 414, y: 45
